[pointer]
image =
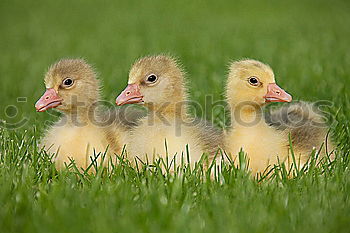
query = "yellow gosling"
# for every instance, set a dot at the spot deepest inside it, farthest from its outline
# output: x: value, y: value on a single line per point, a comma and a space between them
x: 158, y: 82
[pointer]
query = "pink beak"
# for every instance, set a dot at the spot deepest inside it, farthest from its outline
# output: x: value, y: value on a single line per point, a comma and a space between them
x: 50, y: 99
x: 276, y: 94
x: 130, y: 95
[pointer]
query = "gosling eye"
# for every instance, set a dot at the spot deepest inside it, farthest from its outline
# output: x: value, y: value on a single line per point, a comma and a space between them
x: 254, y: 81
x: 151, y: 79
x: 67, y: 82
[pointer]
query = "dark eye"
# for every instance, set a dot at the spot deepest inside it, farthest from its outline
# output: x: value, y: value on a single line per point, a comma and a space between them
x: 254, y: 81
x: 68, y: 82
x: 152, y: 78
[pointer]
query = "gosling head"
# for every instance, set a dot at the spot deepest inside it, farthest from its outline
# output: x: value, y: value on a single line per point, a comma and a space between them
x: 71, y: 84
x: 253, y: 81
x: 154, y: 80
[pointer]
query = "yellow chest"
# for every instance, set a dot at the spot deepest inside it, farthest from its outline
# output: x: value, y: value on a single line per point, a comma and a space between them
x: 78, y: 143
x: 262, y: 144
x: 161, y: 140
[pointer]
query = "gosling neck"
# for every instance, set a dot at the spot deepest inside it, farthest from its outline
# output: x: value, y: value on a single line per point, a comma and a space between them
x: 246, y: 114
x: 80, y: 116
x: 170, y: 108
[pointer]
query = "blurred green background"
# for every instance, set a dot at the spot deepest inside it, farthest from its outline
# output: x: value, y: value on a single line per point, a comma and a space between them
x: 305, y: 42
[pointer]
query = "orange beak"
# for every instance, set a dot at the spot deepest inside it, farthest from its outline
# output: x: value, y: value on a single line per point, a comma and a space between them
x: 50, y: 99
x: 276, y: 94
x: 130, y: 95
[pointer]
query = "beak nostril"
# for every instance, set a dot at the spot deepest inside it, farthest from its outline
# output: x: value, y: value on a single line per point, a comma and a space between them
x: 47, y: 97
x: 127, y: 93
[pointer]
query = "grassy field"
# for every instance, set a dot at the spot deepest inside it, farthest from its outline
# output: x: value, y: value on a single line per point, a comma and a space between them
x: 307, y: 44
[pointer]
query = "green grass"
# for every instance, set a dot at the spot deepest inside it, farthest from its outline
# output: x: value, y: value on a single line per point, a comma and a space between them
x: 307, y: 44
